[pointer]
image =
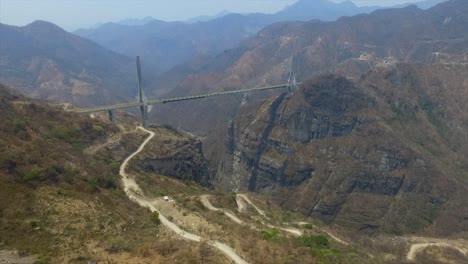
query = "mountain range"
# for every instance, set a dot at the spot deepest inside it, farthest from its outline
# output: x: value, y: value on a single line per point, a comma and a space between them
x: 350, y: 46
x: 167, y: 44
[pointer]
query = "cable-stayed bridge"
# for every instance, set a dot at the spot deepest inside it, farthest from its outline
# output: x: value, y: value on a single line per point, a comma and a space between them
x: 143, y: 103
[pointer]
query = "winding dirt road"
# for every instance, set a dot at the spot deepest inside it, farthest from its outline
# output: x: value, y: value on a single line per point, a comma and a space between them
x: 206, y: 202
x: 418, y: 247
x: 134, y: 193
x: 243, y: 196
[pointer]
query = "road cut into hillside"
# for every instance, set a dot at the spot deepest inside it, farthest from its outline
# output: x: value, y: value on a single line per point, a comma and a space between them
x: 415, y: 248
x: 134, y: 193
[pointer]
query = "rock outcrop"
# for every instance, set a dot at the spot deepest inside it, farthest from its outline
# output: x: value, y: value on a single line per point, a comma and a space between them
x: 343, y: 152
x: 176, y: 155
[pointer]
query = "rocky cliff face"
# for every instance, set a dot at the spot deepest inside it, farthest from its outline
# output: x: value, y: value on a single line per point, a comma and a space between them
x: 344, y: 152
x: 175, y: 155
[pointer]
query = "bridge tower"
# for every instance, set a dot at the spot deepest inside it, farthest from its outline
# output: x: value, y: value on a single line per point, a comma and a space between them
x: 142, y: 99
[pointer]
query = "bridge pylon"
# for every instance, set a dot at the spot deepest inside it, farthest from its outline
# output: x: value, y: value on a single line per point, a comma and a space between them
x: 142, y: 99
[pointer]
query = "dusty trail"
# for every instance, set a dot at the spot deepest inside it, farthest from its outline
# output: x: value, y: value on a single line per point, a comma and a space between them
x: 293, y: 231
x: 135, y: 194
x: 240, y: 204
x: 206, y: 202
x: 415, y: 248
x: 261, y: 212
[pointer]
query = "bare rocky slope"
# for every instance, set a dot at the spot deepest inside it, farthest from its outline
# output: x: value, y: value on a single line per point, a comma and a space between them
x: 385, y: 153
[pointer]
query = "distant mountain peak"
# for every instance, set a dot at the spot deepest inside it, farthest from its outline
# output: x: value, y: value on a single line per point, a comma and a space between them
x: 136, y: 22
x: 43, y: 24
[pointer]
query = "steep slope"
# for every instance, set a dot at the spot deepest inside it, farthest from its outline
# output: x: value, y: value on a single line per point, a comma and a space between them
x: 60, y: 203
x: 387, y: 153
x: 351, y: 46
x: 44, y: 61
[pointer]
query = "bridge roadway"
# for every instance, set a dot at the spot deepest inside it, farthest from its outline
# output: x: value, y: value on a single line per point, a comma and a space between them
x: 105, y: 108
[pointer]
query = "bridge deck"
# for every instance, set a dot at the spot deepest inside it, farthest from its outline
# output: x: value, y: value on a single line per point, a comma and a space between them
x: 176, y: 99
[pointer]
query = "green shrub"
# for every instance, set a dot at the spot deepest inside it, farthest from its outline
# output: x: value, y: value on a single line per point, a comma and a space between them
x: 286, y: 216
x: 58, y: 133
x: 308, y: 226
x: 32, y: 175
x: 329, y: 256
x: 319, y: 241
x: 69, y: 135
x: 270, y: 234
x: 97, y: 129
x: 155, y: 217
x: 93, y: 182
x: 107, y: 182
x: 19, y: 124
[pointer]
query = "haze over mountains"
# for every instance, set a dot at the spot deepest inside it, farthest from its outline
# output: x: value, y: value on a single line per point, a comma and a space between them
x: 166, y: 44
x: 55, y: 65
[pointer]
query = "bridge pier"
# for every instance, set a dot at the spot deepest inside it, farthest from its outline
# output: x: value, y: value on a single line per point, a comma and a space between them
x: 144, y: 115
x: 144, y: 106
x: 111, y: 116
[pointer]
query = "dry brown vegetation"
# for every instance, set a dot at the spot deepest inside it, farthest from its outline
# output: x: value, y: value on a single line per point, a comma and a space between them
x: 63, y: 206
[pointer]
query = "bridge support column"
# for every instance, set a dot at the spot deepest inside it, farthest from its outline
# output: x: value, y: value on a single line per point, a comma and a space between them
x: 111, y: 116
x: 144, y: 115
x: 144, y: 106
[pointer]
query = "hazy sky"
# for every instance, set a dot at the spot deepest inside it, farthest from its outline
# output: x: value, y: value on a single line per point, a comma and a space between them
x: 72, y: 14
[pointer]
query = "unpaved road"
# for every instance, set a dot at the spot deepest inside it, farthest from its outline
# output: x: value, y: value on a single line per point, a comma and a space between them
x: 243, y: 196
x: 135, y: 194
x: 418, y: 247
x: 240, y: 204
x: 206, y: 202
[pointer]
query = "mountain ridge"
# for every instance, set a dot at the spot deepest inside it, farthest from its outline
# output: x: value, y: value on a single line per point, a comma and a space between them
x: 46, y: 62
x: 161, y: 43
